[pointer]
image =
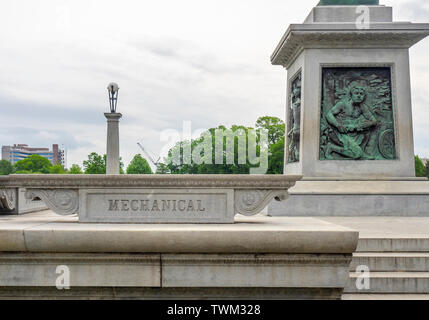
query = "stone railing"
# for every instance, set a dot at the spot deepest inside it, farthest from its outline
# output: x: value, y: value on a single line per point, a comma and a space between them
x: 153, y: 198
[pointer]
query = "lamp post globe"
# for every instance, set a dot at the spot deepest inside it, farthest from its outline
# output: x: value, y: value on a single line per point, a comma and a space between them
x: 113, y: 90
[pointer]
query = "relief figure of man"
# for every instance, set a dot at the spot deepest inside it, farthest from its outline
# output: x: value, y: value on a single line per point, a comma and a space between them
x: 295, y: 132
x: 352, y: 121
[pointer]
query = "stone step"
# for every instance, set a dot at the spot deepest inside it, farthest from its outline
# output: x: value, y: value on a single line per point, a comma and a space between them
x: 392, y: 282
x: 391, y: 261
x: 408, y: 244
x: 385, y: 297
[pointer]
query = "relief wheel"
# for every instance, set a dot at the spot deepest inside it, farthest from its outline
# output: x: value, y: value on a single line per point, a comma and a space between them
x: 386, y: 144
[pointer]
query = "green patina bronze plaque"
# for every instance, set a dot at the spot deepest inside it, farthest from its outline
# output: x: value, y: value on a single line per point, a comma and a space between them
x: 357, y: 114
x: 294, y: 120
x: 348, y: 2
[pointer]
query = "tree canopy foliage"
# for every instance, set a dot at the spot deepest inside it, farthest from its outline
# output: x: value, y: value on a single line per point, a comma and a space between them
x: 57, y: 169
x: 6, y: 168
x: 75, y: 169
x: 234, y: 150
x: 422, y: 170
x: 96, y: 164
x: 139, y: 165
x: 33, y: 164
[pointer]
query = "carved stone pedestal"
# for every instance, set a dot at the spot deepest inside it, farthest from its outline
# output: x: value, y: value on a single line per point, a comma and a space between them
x: 349, y: 111
x: 154, y: 198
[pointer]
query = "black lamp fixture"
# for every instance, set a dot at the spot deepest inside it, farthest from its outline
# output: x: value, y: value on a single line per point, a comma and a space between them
x: 113, y: 90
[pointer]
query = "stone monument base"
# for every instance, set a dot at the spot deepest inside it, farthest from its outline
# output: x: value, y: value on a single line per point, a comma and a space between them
x: 256, y: 258
x: 355, y: 198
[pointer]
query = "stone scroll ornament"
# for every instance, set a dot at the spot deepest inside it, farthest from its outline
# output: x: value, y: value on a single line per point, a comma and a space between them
x: 7, y: 199
x: 357, y: 118
x: 252, y: 202
x: 62, y: 202
x: 294, y: 120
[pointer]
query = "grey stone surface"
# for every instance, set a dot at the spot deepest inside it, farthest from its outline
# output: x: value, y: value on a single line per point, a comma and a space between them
x: 378, y: 197
x: 350, y: 14
x: 299, y: 257
x: 392, y: 261
x: 396, y: 251
x: 248, y: 271
x: 76, y: 293
x: 29, y: 205
x: 393, y: 282
x: 311, y: 62
x: 346, y: 36
x: 385, y: 297
x: 388, y: 234
x: 46, y: 232
x: 86, y: 270
x: 8, y: 199
x: 178, y: 271
x: 156, y: 206
x: 155, y: 198
x: 331, y: 38
x: 352, y: 205
x: 385, y: 227
x: 112, y: 153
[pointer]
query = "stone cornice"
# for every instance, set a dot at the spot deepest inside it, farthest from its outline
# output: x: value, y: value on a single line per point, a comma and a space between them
x: 280, y: 182
x: 346, y: 35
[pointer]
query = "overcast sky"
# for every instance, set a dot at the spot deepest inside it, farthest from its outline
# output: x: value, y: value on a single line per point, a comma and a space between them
x: 205, y: 61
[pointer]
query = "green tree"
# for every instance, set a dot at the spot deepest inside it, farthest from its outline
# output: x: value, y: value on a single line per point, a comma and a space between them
x: 75, y: 169
x: 177, y: 162
x: 57, y: 169
x: 95, y: 164
x: 33, y: 164
x: 276, y: 158
x: 162, y: 168
x: 420, y: 167
x: 6, y: 168
x: 274, y: 126
x: 139, y: 165
x: 25, y: 172
x: 427, y: 169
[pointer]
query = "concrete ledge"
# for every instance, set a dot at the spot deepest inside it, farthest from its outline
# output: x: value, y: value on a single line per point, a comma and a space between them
x: 393, y: 282
x: 397, y: 186
x: 176, y: 271
x: 354, y: 198
x: 256, y: 258
x: 170, y: 293
x: 250, y: 271
x: 50, y: 233
x: 86, y: 270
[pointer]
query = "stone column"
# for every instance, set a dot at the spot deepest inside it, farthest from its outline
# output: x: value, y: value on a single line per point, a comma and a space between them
x: 112, y: 161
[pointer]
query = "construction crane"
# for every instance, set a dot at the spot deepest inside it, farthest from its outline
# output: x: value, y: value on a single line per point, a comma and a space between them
x: 155, y: 163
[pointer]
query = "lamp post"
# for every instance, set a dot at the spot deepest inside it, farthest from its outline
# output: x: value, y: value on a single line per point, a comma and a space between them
x: 112, y: 160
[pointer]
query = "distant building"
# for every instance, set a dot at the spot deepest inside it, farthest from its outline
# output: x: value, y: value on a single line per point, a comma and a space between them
x: 21, y: 151
x: 425, y: 161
